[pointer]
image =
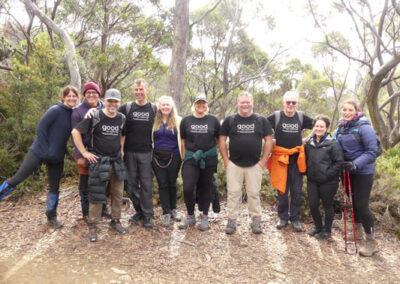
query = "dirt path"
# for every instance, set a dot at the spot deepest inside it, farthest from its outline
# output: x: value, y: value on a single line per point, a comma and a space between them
x: 32, y: 253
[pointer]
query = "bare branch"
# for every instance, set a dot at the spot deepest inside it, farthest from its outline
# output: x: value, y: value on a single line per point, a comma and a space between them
x: 205, y: 14
x: 70, y: 47
x: 396, y: 7
x: 4, y: 67
x: 389, y: 99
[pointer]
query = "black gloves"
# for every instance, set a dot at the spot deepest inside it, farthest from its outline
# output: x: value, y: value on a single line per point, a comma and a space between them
x: 348, y: 166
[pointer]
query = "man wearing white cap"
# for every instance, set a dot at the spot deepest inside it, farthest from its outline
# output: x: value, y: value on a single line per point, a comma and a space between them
x: 105, y: 158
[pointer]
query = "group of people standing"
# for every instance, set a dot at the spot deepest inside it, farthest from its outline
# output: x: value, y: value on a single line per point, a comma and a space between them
x: 118, y: 147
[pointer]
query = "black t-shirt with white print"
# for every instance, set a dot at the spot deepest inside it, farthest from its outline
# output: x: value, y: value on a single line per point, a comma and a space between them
x: 289, y: 129
x: 245, y: 138
x: 200, y: 134
x: 106, y: 135
x: 139, y: 126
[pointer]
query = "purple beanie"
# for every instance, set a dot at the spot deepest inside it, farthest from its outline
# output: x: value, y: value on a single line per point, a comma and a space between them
x: 91, y: 85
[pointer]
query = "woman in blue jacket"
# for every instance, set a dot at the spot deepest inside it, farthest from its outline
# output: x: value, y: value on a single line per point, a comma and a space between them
x: 359, y: 144
x: 49, y: 147
x: 324, y: 157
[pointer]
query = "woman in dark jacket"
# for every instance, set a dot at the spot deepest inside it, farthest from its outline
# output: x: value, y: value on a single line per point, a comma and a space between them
x: 359, y: 144
x: 49, y: 147
x: 324, y: 156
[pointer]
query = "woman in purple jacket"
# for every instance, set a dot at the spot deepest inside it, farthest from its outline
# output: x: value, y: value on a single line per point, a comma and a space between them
x: 359, y: 144
x: 49, y: 147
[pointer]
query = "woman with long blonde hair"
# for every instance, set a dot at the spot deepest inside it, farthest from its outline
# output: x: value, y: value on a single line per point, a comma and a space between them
x: 167, y: 155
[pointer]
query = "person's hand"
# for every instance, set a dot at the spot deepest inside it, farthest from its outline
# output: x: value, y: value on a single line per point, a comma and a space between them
x: 90, y: 113
x: 122, y: 154
x: 261, y: 164
x: 348, y: 166
x: 92, y: 158
x: 226, y: 163
x: 81, y: 162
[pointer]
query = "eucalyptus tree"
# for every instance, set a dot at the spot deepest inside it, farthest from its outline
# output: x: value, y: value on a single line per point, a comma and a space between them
x: 375, y: 47
x: 223, y: 58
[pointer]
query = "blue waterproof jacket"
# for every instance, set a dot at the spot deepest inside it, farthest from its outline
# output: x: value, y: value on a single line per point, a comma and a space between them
x: 52, y: 133
x: 362, y: 154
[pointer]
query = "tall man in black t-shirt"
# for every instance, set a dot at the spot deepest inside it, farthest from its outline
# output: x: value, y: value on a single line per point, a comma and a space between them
x: 138, y: 153
x: 105, y: 158
x: 246, y: 131
x: 288, y: 125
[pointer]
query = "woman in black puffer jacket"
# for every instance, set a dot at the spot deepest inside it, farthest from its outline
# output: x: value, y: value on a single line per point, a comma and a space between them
x: 324, y: 155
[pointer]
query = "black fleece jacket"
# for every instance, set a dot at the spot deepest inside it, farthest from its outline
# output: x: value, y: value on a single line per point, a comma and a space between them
x: 323, y: 160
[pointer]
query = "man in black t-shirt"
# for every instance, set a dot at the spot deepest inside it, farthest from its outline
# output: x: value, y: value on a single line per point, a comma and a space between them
x: 104, y: 155
x: 288, y: 125
x: 138, y: 153
x: 246, y: 131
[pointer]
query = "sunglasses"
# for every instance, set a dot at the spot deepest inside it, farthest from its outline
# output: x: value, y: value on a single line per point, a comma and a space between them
x: 291, y: 102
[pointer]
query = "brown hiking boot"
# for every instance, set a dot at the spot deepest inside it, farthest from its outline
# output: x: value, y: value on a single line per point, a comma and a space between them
x: 369, y: 247
x: 116, y: 226
x: 359, y: 234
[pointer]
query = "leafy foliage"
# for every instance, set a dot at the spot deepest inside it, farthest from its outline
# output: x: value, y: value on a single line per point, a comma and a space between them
x: 30, y: 91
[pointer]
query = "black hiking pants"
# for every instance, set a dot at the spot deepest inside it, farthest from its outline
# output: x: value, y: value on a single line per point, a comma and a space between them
x: 290, y: 210
x: 166, y: 179
x: 54, y: 172
x: 194, y: 177
x: 325, y: 193
x: 361, y: 186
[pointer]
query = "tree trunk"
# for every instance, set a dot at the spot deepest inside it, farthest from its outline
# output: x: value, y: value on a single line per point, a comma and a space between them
x: 176, y: 80
x: 372, y: 101
x: 69, y: 44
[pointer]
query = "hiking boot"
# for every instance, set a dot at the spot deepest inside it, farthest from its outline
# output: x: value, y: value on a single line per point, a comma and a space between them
x: 256, y: 226
x: 54, y: 223
x: 204, y: 223
x: 297, y: 226
x: 323, y: 235
x: 281, y: 224
x: 5, y: 189
x: 136, y: 218
x: 166, y: 220
x: 105, y: 213
x: 174, y: 215
x: 148, y: 222
x: 230, y: 227
x: 190, y: 220
x: 359, y: 234
x: 369, y: 247
x: 92, y: 236
x: 116, y: 226
x: 314, y: 231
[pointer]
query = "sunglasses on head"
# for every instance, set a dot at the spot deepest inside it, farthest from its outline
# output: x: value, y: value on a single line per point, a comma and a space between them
x: 291, y: 102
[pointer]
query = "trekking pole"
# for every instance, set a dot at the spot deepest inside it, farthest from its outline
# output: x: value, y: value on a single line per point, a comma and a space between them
x: 345, y: 211
x: 352, y: 212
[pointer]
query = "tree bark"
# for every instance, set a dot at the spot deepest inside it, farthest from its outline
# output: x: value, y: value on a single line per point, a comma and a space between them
x: 176, y: 80
x: 72, y: 62
x: 372, y: 100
